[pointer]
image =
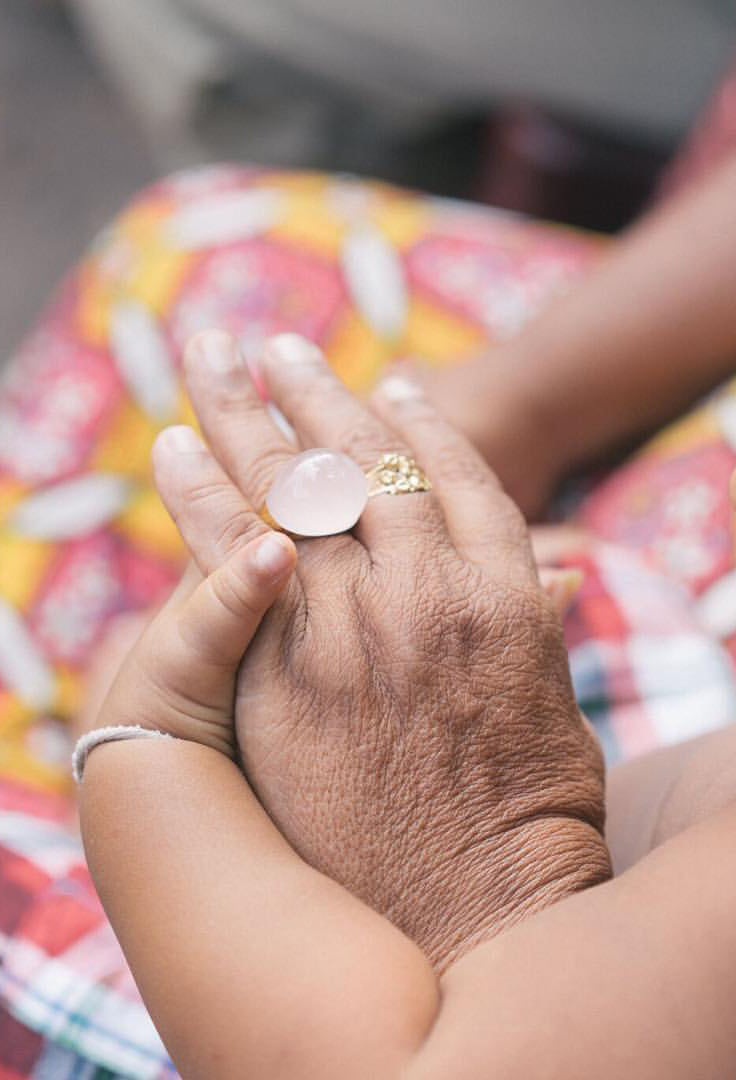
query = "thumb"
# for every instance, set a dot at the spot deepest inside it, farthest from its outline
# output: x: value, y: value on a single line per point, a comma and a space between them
x: 221, y: 616
x: 180, y: 676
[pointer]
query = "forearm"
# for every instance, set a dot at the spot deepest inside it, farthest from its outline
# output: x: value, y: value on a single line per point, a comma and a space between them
x: 651, y: 328
x: 254, y: 965
x: 655, y: 797
x: 249, y: 961
x: 632, y: 978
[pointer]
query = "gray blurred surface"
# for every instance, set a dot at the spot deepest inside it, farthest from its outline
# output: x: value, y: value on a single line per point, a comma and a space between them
x: 70, y: 156
x: 639, y: 66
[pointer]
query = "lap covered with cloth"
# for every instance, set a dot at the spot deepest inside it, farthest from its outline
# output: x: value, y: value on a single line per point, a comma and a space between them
x: 374, y: 275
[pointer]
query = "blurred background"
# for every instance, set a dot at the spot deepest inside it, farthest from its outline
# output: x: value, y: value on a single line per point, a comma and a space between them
x: 566, y: 109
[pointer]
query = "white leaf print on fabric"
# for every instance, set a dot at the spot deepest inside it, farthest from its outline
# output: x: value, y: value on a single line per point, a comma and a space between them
x: 375, y: 278
x: 224, y: 218
x: 72, y: 508
x: 143, y: 358
x: 716, y: 608
x: 725, y: 410
x: 22, y: 667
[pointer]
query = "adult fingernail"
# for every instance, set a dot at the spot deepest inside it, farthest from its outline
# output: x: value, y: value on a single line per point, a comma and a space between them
x: 562, y: 586
x: 217, y: 350
x: 180, y: 439
x: 294, y: 351
x: 273, y: 556
x: 398, y: 388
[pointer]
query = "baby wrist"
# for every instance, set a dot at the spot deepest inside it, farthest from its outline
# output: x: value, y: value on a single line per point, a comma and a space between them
x: 116, y: 733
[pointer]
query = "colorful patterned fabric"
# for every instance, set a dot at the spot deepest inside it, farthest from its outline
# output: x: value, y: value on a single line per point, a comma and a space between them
x: 70, y: 1007
x: 372, y: 274
x: 369, y: 272
x: 670, y: 504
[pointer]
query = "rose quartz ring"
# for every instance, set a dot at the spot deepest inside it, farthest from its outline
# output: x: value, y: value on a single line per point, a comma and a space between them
x: 317, y: 493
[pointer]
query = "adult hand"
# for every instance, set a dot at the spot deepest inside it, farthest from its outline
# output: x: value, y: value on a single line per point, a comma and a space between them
x: 405, y: 712
x: 490, y: 401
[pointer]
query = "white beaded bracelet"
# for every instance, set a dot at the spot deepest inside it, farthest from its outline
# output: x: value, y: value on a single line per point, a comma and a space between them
x: 88, y: 742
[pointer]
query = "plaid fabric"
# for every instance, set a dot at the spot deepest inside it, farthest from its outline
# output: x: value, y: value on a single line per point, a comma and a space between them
x: 645, y: 671
x: 71, y: 1008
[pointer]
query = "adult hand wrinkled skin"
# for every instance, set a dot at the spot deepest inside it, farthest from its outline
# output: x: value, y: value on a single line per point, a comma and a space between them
x: 405, y: 713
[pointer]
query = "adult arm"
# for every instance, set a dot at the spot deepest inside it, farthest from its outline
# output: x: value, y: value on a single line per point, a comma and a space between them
x: 635, y: 977
x: 648, y: 330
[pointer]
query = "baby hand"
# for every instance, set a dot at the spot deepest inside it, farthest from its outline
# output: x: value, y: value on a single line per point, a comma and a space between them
x: 179, y: 677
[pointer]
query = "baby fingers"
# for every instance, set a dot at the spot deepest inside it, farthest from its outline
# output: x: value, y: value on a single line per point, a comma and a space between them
x: 219, y: 619
x: 180, y: 676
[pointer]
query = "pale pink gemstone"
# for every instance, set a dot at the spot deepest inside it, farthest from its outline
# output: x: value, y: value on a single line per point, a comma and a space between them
x: 318, y: 493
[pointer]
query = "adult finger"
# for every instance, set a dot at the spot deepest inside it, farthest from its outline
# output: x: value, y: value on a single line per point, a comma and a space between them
x: 208, y: 509
x: 484, y: 523
x: 551, y: 543
x: 562, y: 586
x: 323, y: 412
x: 244, y: 438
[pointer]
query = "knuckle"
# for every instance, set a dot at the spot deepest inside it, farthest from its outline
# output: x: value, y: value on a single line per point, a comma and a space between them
x: 531, y: 614
x: 410, y: 526
x: 234, y: 396
x: 364, y: 442
x: 464, y: 469
x: 235, y: 593
x: 238, y: 529
x: 207, y: 493
x: 258, y: 474
x: 314, y: 395
x: 509, y: 513
x: 227, y: 521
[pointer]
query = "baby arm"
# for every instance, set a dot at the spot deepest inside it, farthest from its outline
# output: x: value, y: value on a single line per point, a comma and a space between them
x: 250, y: 962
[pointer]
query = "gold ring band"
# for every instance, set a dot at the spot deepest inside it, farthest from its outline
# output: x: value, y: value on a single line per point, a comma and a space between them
x: 396, y: 474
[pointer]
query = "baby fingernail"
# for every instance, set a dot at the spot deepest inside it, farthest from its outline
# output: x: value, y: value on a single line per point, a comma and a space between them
x: 216, y: 349
x: 294, y: 350
x: 181, y: 440
x: 273, y: 556
x: 398, y: 388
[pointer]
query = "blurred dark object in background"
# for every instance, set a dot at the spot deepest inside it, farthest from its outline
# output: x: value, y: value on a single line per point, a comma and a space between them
x: 70, y: 157
x: 561, y: 169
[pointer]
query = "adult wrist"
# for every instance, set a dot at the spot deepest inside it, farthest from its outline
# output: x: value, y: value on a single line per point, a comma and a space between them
x: 538, y: 402
x: 514, y: 425
x: 499, y: 882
